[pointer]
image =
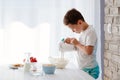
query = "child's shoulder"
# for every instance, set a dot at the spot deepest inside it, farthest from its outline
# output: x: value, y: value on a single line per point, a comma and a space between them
x: 90, y: 30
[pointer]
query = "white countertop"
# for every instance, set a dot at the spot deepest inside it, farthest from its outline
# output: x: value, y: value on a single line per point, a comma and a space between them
x: 60, y: 74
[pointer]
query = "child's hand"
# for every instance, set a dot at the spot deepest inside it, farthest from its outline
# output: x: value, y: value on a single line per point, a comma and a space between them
x: 74, y: 41
x: 67, y: 40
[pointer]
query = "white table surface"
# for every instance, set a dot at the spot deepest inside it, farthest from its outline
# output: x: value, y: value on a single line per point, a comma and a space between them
x: 68, y: 73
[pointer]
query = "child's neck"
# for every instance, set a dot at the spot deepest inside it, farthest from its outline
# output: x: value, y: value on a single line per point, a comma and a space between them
x: 85, y: 26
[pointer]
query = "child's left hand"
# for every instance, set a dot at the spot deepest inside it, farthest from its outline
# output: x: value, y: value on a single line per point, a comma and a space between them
x: 74, y: 41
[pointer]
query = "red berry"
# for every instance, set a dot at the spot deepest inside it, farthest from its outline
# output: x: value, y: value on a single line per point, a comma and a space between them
x: 23, y: 60
x: 31, y: 57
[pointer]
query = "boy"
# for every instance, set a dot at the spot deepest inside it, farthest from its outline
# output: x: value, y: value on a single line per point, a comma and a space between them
x: 85, y: 46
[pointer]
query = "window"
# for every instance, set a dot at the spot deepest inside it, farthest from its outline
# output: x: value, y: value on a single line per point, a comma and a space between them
x: 19, y: 39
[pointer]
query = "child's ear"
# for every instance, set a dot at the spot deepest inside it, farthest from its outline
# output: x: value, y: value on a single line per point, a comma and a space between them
x: 79, y: 22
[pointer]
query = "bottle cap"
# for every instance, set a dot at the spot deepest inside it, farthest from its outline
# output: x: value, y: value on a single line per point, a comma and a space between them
x: 63, y: 39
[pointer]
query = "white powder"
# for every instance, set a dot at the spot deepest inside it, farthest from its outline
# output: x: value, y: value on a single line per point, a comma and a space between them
x: 62, y: 55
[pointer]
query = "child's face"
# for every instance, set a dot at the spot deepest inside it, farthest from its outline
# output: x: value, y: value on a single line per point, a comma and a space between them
x: 77, y: 28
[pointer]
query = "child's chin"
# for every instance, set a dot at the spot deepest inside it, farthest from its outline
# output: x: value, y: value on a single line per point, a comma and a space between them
x: 77, y: 32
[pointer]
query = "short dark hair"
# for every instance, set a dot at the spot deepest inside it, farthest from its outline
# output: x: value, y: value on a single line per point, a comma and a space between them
x: 72, y: 16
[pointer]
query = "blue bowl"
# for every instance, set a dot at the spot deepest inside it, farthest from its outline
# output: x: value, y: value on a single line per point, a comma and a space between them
x: 48, y: 68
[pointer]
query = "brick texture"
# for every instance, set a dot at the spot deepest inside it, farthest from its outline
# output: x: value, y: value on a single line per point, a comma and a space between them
x: 112, y: 41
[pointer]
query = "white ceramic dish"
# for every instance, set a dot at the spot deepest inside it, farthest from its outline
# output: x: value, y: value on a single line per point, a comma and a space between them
x: 58, y: 62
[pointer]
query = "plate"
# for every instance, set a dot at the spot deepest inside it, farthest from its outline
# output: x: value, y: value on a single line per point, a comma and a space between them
x: 15, y: 66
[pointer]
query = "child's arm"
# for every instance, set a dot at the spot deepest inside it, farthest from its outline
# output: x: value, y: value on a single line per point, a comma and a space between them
x: 86, y: 49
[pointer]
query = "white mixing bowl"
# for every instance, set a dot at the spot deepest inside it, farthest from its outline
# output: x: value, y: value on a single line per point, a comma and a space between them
x: 58, y: 62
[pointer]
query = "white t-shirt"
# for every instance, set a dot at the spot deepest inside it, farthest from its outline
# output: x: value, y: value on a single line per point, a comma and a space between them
x: 87, y: 38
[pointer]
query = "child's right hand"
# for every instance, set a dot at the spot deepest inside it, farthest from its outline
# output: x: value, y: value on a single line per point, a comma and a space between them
x: 67, y: 40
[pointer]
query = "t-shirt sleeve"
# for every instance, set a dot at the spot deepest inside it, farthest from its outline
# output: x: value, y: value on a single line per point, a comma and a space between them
x: 91, y: 39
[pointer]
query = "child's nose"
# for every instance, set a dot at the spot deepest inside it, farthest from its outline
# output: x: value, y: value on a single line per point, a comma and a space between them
x: 73, y: 30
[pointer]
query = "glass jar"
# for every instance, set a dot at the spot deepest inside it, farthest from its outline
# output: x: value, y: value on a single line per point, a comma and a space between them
x: 27, y: 62
x: 36, y: 69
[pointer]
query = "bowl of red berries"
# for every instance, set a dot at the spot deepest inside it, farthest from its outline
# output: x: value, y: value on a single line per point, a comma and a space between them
x: 33, y: 59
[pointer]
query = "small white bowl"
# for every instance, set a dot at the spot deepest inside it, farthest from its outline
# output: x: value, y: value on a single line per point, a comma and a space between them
x: 58, y: 62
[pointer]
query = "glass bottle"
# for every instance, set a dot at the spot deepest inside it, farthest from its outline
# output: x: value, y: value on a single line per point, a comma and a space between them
x: 27, y: 62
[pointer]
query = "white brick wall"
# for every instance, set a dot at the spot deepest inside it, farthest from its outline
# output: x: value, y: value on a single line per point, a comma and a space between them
x: 109, y: 3
x: 106, y: 62
x: 117, y: 3
x: 119, y: 30
x: 113, y: 47
x: 112, y: 41
x: 107, y: 55
x: 116, y: 20
x: 106, y: 46
x: 113, y: 65
x: 115, y: 30
x: 108, y: 72
x: 107, y: 10
x: 109, y: 19
x: 113, y: 10
x: 108, y: 37
x: 116, y: 58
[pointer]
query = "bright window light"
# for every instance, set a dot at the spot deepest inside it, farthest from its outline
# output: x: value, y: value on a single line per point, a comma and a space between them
x: 19, y: 39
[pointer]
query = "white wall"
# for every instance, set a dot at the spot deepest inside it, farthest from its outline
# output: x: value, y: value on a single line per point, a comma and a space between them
x: 98, y: 30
